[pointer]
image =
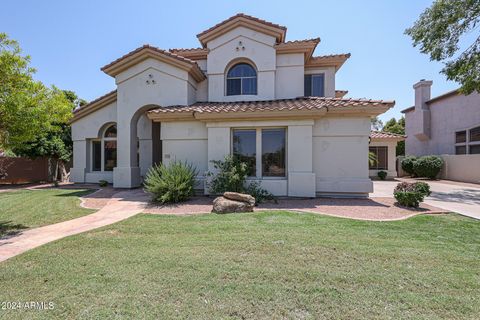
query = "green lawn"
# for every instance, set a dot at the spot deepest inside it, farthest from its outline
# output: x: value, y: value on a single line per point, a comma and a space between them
x: 21, y: 209
x: 252, y: 266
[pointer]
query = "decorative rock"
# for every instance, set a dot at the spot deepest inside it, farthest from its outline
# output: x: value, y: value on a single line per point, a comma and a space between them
x: 240, y: 197
x: 224, y: 205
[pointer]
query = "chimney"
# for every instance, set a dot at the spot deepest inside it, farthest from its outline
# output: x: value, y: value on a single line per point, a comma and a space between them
x: 422, y: 94
x: 422, y: 111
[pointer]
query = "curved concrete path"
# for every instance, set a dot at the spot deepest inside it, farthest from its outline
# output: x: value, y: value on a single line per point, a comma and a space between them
x: 121, y: 206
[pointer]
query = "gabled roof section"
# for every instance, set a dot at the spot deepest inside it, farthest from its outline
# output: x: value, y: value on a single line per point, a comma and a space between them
x: 145, y: 52
x: 386, y: 135
x: 243, y: 20
x: 303, y: 107
x: 332, y: 60
x: 306, y: 46
x: 94, y: 105
x: 193, y: 53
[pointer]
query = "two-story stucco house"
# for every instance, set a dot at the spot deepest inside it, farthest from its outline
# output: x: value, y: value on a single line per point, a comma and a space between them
x: 447, y: 124
x: 246, y: 91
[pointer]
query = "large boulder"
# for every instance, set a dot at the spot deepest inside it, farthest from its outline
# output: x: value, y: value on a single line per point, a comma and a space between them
x: 240, y: 197
x: 224, y: 205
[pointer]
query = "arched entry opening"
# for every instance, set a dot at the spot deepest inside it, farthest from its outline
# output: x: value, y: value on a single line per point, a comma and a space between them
x: 137, y: 150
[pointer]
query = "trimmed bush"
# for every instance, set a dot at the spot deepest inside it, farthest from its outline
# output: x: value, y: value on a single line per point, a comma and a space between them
x: 407, y: 164
x: 411, y: 194
x: 231, y: 175
x: 103, y: 183
x: 171, y: 184
x: 382, y: 175
x: 428, y: 166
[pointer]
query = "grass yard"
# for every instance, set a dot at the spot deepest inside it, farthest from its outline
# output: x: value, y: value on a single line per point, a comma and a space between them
x: 22, y: 209
x: 254, y: 266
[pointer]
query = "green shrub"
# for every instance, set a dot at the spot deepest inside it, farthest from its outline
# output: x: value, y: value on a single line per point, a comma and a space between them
x: 382, y: 175
x: 261, y: 195
x: 171, y: 184
x: 103, y: 183
x: 407, y: 164
x: 428, y: 166
x: 231, y: 175
x: 411, y: 194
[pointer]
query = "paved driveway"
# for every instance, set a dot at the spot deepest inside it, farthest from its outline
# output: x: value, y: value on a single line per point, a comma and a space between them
x: 454, y: 196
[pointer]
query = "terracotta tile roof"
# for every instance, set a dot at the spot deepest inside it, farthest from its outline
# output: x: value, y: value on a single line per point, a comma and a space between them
x: 297, y: 42
x: 303, y: 103
x: 150, y: 49
x: 99, y: 99
x: 268, y: 27
x: 242, y: 15
x: 385, y: 135
x: 191, y: 53
x: 94, y: 105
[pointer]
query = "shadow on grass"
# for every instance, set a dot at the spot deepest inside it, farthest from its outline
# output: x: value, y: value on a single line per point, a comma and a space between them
x: 9, y: 229
x: 79, y: 193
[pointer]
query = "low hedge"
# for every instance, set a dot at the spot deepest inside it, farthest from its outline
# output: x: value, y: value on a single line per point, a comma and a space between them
x: 407, y: 164
x: 428, y: 166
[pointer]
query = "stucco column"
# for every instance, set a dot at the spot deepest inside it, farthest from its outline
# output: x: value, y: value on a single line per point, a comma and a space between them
x: 80, y: 156
x: 127, y: 172
x: 218, y: 146
x: 301, y: 179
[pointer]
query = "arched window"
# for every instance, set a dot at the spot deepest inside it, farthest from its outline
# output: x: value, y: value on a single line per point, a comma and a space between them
x: 241, y: 80
x: 104, y: 150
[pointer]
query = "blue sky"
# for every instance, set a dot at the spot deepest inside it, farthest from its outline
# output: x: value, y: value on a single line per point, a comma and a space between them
x: 69, y: 41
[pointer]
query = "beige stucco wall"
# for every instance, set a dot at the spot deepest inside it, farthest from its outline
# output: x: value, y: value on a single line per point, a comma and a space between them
x: 465, y: 168
x: 391, y: 145
x: 340, y: 155
x: 289, y: 76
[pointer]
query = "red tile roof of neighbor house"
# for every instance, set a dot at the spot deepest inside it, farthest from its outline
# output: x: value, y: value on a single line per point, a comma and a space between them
x: 302, y: 103
x: 385, y: 135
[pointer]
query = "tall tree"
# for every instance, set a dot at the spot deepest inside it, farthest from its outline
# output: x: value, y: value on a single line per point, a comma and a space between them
x: 438, y: 32
x: 27, y: 107
x: 398, y: 127
x: 55, y: 144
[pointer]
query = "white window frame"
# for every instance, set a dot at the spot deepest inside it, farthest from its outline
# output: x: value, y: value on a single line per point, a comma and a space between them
x: 258, y: 151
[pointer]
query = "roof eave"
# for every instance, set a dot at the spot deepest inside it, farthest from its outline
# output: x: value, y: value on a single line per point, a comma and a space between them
x: 277, y: 32
x: 115, y: 68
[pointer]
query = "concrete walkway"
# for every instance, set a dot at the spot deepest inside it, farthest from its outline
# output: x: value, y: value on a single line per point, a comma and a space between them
x: 121, y: 206
x: 462, y: 198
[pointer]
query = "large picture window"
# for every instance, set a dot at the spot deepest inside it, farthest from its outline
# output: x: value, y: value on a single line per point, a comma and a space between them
x: 245, y: 148
x: 273, y: 152
x: 381, y: 154
x: 314, y: 85
x: 104, y: 151
x: 241, y: 80
x: 267, y: 158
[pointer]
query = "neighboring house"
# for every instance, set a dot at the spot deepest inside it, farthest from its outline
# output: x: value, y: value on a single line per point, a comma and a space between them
x: 384, y: 146
x: 447, y: 124
x: 247, y: 91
